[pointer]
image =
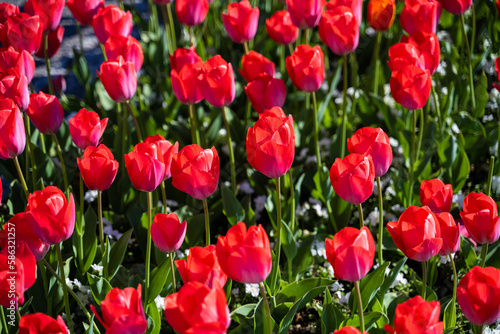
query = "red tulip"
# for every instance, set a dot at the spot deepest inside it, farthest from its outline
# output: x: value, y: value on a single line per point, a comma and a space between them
x: 417, y: 316
x: 110, y: 21
x: 51, y: 216
x: 417, y: 233
x: 191, y: 12
x: 145, y: 166
x: 353, y: 177
x: 381, y: 14
x: 428, y: 46
x: 351, y: 253
x: 356, y: 6
x: 436, y: 195
x: 14, y: 85
x: 266, y: 92
x: 241, y: 21
x: 197, y: 308
x: 450, y: 233
x: 306, y: 67
x: 6, y: 10
x: 167, y: 150
x: 271, y: 143
x: 22, y: 252
x: 35, y: 323
x: 98, y: 167
x: 420, y: 16
x: 119, y: 79
x: 23, y: 32
x: 22, y: 60
x: 12, y: 134
x: 202, y: 266
x: 480, y: 216
x: 373, y: 142
x: 402, y: 55
x: 49, y: 11
x: 348, y: 330
x: 84, y: 11
x: 46, y: 112
x: 54, y: 43
x: 305, y: 14
x: 167, y: 232
x: 217, y: 82
x: 24, y: 233
x: 245, y: 255
x: 163, y: 2
x: 338, y: 28
x: 86, y: 128
x: 11, y: 291
x: 185, y: 83
x: 196, y: 171
x: 127, y: 47
x: 182, y: 56
x: 497, y: 69
x: 281, y: 28
x: 411, y: 87
x: 122, y: 310
x: 254, y: 65
x: 456, y: 7
x: 478, y: 294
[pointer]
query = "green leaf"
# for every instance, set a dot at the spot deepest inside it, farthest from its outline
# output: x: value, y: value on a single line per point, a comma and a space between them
x: 482, y: 96
x: 469, y: 253
x: 243, y: 312
x: 99, y: 287
x: 260, y: 320
x: 369, y: 286
x: 324, y: 187
x: 332, y: 316
x: 460, y: 170
x: 450, y: 315
x: 80, y: 68
x: 154, y: 319
x: 117, y: 253
x: 391, y: 277
x: 294, y: 291
x: 447, y: 151
x: 304, y: 257
x: 232, y: 208
x: 288, y: 241
x: 369, y: 318
x: 158, y: 278
x: 85, y: 244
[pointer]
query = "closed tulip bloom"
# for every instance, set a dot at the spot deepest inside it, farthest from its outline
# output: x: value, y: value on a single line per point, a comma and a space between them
x: 217, y: 82
x: 195, y: 171
x: 119, y: 79
x: 11, y: 292
x: 14, y: 85
x: 381, y: 14
x: 348, y: 330
x: 428, y: 46
x: 122, y: 310
x: 420, y: 16
x: 167, y: 232
x: 21, y: 60
x: 86, y: 128
x: 23, y: 32
x: 416, y: 316
x: 202, y: 266
x: 98, y: 167
x: 46, y: 112
x: 351, y: 253
x: 266, y: 92
x: 84, y: 11
x: 182, y: 56
x: 356, y: 7
x: 478, y: 294
x: 417, y: 233
x: 480, y: 216
x: 6, y: 10
x: 145, y: 166
x: 497, y: 69
x: 436, y: 195
x: 191, y: 12
x: 185, y: 83
x: 450, y: 233
x: 305, y: 14
x: 35, y: 323
x: 411, y: 87
x: 402, y: 55
x: 49, y: 11
x: 271, y: 143
x: 241, y: 21
x: 254, y: 65
x: 167, y: 150
x: 281, y: 28
x: 456, y: 7
x: 373, y: 142
x: 12, y: 134
x: 353, y: 177
x: 245, y: 255
x: 51, y: 215
x: 110, y: 21
x: 306, y: 67
x: 127, y: 47
x: 196, y: 308
x: 54, y: 43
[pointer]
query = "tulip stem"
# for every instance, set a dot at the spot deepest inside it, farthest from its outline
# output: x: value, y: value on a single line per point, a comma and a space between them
x: 166, y: 22
x: 103, y: 52
x: 172, y: 27
x: 82, y: 203
x: 231, y: 152
x: 361, y: 219
x: 282, y: 61
x: 469, y: 56
x: 148, y: 252
x: 376, y: 63
x: 455, y: 279
x: 380, y: 221
x: 172, y: 269
x: 269, y: 328
x: 207, y: 221
x: 138, y: 129
x: 412, y: 158
x: 360, y: 307
x: 484, y: 252
x: 101, y: 236
x: 438, y: 108
x: 21, y: 177
x: 278, y: 232
x: 47, y: 61
x: 421, y: 127
x: 424, y: 279
x: 30, y: 150
x: 63, y: 165
x: 195, y: 134
x: 292, y: 204
x: 344, y: 110
x: 191, y: 36
x: 64, y: 288
x: 164, y: 196
x: 245, y: 46
x: 4, y: 322
x: 80, y: 39
x: 490, y: 175
x: 316, y: 131
x: 330, y: 215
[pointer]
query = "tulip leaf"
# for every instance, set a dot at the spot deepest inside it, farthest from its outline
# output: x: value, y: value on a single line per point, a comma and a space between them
x: 80, y: 68
x: 331, y: 316
x: 324, y: 189
x: 468, y: 251
x: 389, y: 280
x: 158, y: 278
x: 99, y: 287
x: 481, y: 91
x: 369, y: 318
x: 447, y: 151
x: 243, y: 312
x: 117, y: 253
x: 304, y: 257
x: 460, y: 170
x: 154, y: 319
x: 260, y: 320
x: 294, y: 291
x: 232, y: 208
x: 369, y: 286
x: 85, y: 243
x: 288, y: 241
x: 450, y: 315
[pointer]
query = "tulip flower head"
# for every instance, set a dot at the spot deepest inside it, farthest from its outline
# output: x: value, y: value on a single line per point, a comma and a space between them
x: 436, y: 195
x: 281, y: 28
x: 98, y: 167
x: 167, y: 232
x: 110, y: 21
x: 191, y: 12
x: 216, y: 82
x: 12, y: 133
x: 241, y: 21
x: 266, y: 92
x: 42, y: 323
x: 119, y: 78
x: 305, y: 14
x: 381, y: 14
x: 420, y: 16
x: 254, y: 65
x: 418, y: 316
x: 338, y: 28
x: 145, y: 166
x: 127, y: 47
x: 373, y: 142
x: 84, y: 11
x: 86, y: 128
x: 49, y: 11
x: 167, y: 150
x: 22, y: 32
x: 14, y: 86
x: 480, y: 216
x: 306, y: 67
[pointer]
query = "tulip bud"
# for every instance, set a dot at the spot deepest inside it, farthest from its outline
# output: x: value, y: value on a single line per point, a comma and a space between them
x: 420, y: 15
x: 42, y: 323
x: 12, y: 133
x: 411, y: 87
x: 84, y: 11
x: 23, y: 32
x: 98, y: 167
x: 480, y: 216
x: 375, y: 143
x: 14, y: 86
x: 127, y: 47
x: 46, y: 112
x: 49, y: 11
x: 306, y: 67
x: 110, y: 21
x: 54, y: 43
x: 167, y: 233
x: 381, y: 14
x: 202, y: 266
x: 241, y: 21
x: 86, y: 128
x: 185, y: 83
x: 281, y: 28
x: 191, y: 12
x: 145, y: 166
x: 167, y: 150
x: 305, y: 14
x: 119, y: 79
x: 436, y: 195
x: 254, y: 65
x: 266, y: 92
x: 216, y: 82
x: 338, y: 28
x: 182, y: 56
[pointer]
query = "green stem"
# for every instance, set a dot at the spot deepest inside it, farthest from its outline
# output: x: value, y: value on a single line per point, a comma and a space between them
x: 455, y: 279
x: 148, y: 251
x: 172, y: 27
x: 191, y: 36
x: 4, y: 321
x: 420, y: 133
x: 64, y: 288
x: 195, y: 134
x: 82, y: 203
x: 80, y: 39
x: 490, y: 175
x: 137, y: 128
x: 376, y: 62
x: 438, y: 109
x: 282, y: 61
x: 316, y: 132
x: 278, y: 232
x: 269, y: 327
x: 63, y: 165
x: 163, y: 9
x: 172, y: 269
x: 412, y: 158
x: 484, y: 252
x: 424, y: 279
x: 164, y: 196
x: 231, y: 152
x: 101, y: 236
x: 361, y: 219
x: 47, y: 61
x: 469, y: 56
x: 245, y: 46
x: 344, y: 110
x: 42, y: 143
x: 360, y: 307
x: 330, y: 216
x: 292, y: 204
x: 30, y: 150
x: 21, y: 177
x: 380, y: 221
x: 103, y: 52
x: 207, y: 221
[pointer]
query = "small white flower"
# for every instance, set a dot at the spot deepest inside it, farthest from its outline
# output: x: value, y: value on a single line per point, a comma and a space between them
x: 260, y: 203
x: 345, y: 299
x: 69, y: 283
x: 160, y: 303
x: 235, y: 291
x: 77, y: 283
x: 455, y: 128
x: 394, y: 142
x: 311, y: 159
x: 252, y: 289
x: 373, y: 217
x: 318, y: 249
x: 302, y: 154
x: 459, y: 199
x: 400, y: 278
x: 370, y: 31
x: 444, y: 259
x: 337, y: 287
x: 97, y: 267
x: 246, y: 188
x: 222, y: 132
x: 495, y: 184
x: 172, y: 203
x: 90, y: 196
